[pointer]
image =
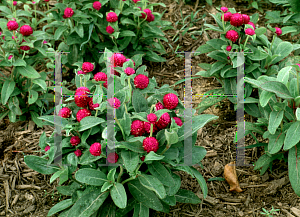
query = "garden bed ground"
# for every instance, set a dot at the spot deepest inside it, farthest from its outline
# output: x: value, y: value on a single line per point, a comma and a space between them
x: 27, y: 193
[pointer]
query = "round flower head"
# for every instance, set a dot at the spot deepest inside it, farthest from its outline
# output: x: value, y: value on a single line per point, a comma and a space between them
x: 95, y: 149
x: 118, y: 59
x: 75, y: 140
x: 150, y: 144
x: 137, y: 128
x: 65, y: 112
x: 224, y: 9
x: 278, y: 31
x: 112, y: 157
x: 101, y: 76
x: 92, y: 106
x: 25, y: 48
x: 26, y: 30
x: 15, y: 3
x: 228, y: 57
x: 46, y: 0
x: 170, y: 101
x: 227, y: 16
x: 12, y: 25
x: 178, y: 121
x: 82, y: 113
x: 152, y: 118
x: 111, y: 17
x: 87, y: 90
x: 147, y: 127
x: 110, y: 30
x: 68, y: 12
x: 150, y: 18
x: 97, y: 5
x: 232, y: 35
x: 81, y: 97
x: 252, y: 24
x: 47, y: 148
x: 45, y: 42
x: 236, y: 19
x: 159, y: 106
x: 81, y: 72
x: 246, y: 18
x: 114, y: 102
x: 10, y: 56
x: 129, y: 71
x: 228, y: 48
x: 143, y: 158
x: 135, y: 1
x: 87, y: 67
x: 163, y: 121
x: 249, y: 31
x: 141, y: 81
x: 78, y: 153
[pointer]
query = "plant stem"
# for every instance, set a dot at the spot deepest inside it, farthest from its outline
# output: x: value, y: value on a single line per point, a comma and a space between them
x: 223, y: 22
x: 138, y: 167
x: 96, y: 113
x: 80, y: 81
x: 151, y: 130
x: 120, y: 127
x: 152, y: 108
x: 272, y: 44
x: 130, y: 89
x: 246, y: 42
x: 120, y: 174
x: 35, y: 11
x: 166, y: 149
x: 125, y: 108
x: 129, y: 179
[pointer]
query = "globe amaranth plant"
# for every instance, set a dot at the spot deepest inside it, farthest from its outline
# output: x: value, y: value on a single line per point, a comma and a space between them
x: 24, y: 90
x: 240, y: 34
x: 86, y: 28
x: 289, y: 18
x: 149, y: 137
x: 279, y: 121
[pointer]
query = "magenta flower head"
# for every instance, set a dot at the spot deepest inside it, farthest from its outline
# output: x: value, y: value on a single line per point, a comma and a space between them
x: 119, y: 59
x: 68, y: 12
x: 33, y: 2
x: 298, y: 64
x: 152, y: 118
x: 278, y: 31
x: 246, y: 18
x: 170, y: 101
x: 25, y: 48
x: 150, y: 144
x: 228, y: 48
x: 47, y: 148
x: 82, y: 113
x: 150, y: 18
x: 111, y: 17
x: 228, y: 57
x: 87, y: 67
x: 159, y: 106
x: 114, y: 102
x: 141, y: 81
x: 12, y: 25
x: 92, y: 106
x: 101, y: 76
x: 46, y: 0
x: 95, y: 149
x: 15, y: 3
x: 81, y: 72
x: 78, y: 153
x: 110, y: 30
x: 135, y: 1
x: 75, y: 140
x: 224, y: 9
x: 97, y: 5
x: 249, y: 31
x: 236, y: 19
x: 45, y: 42
x: 227, y: 16
x: 178, y: 121
x: 232, y: 35
x: 65, y: 112
x: 137, y: 128
x: 10, y: 56
x: 129, y: 71
x: 112, y: 157
x: 252, y: 24
x: 26, y: 30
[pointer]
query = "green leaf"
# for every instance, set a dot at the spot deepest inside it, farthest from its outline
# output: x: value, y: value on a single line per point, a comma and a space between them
x: 288, y: 29
x: 260, y: 31
x: 118, y: 194
x: 206, y: 48
x: 153, y: 184
x: 143, y: 195
x: 283, y: 75
x: 58, y: 120
x: 170, y: 200
x: 40, y: 165
x: 263, y: 161
x: 125, y: 33
x: 284, y: 49
x: 278, y: 88
x: 216, y: 67
x: 161, y: 173
x: 198, y: 122
x: 131, y: 159
x: 60, y: 206
x: 135, y: 144
x: 41, y: 83
x: 7, y: 89
x: 292, y: 136
x: 140, y: 210
x: 79, y: 30
x: 153, y: 156
x: 257, y: 55
x: 89, y: 122
x: 6, y: 10
x: 91, y: 177
x: 28, y: 71
x: 294, y: 166
x: 59, y: 32
x: 171, y: 191
x: 88, y: 203
x: 32, y: 97
x: 139, y: 102
x: 171, y: 137
x: 275, y: 120
x: 19, y: 62
x: 275, y: 142
x: 201, y: 181
x: 255, y: 5
x: 185, y: 196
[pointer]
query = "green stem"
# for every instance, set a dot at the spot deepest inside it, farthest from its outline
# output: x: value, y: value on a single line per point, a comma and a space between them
x: 166, y: 149
x: 223, y: 22
x: 120, y: 128
x: 151, y: 130
x: 23, y: 55
x: 129, y: 179
x: 120, y: 174
x: 80, y: 81
x: 125, y: 108
x: 246, y: 42
x: 96, y: 113
x: 138, y: 167
x: 48, y: 6
x: 297, y: 82
x: 84, y: 81
x: 152, y: 107
x: 281, y: 124
x: 130, y: 89
x: 35, y: 11
x: 272, y: 44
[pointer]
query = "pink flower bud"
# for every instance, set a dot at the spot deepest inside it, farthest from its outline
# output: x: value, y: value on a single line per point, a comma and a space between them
x: 110, y: 30
x: 228, y: 48
x: 224, y: 9
x: 278, y: 31
x: 249, y: 31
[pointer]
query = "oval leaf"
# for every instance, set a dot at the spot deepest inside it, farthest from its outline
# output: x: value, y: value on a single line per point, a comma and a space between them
x: 91, y: 176
x: 118, y: 194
